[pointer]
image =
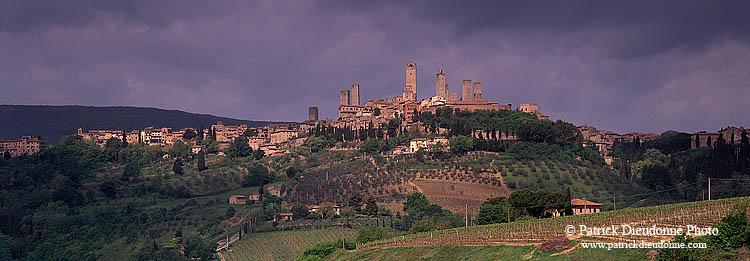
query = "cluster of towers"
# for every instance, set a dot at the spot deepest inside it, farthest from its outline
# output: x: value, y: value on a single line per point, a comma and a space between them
x: 348, y: 97
x: 470, y: 92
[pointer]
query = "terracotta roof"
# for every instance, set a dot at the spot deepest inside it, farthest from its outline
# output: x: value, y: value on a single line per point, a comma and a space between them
x: 583, y: 202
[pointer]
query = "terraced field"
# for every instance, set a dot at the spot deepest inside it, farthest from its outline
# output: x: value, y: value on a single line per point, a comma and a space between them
x: 283, y: 245
x: 457, y: 195
x: 702, y: 214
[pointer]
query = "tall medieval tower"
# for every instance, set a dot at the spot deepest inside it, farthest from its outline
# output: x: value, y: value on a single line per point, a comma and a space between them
x: 354, y: 99
x: 441, y: 88
x: 467, y: 94
x: 410, y: 88
x: 477, y: 91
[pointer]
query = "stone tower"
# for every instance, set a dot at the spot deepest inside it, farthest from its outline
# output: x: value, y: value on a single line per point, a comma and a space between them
x: 467, y: 94
x: 344, y: 97
x: 477, y: 91
x: 355, y: 94
x: 441, y: 88
x: 410, y: 88
x: 312, y: 113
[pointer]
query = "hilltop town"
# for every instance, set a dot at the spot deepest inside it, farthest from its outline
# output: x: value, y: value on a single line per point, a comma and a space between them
x: 400, y: 165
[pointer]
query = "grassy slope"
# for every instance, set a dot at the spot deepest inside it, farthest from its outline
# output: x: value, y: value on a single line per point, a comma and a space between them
x: 208, y: 211
x: 283, y: 245
x: 494, y: 252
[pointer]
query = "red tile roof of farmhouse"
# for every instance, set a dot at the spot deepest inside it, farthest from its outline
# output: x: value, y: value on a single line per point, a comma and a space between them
x: 582, y: 202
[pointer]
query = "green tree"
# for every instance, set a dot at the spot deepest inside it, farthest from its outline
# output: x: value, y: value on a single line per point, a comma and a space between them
x: 179, y: 149
x: 189, y: 134
x: 317, y: 143
x: 200, y: 133
x: 201, y: 162
x: 230, y: 212
x: 461, y: 144
x: 371, y: 207
x: 355, y: 201
x: 372, y: 146
x: 424, y: 225
x: 258, y: 154
x: 239, y: 148
x: 124, y: 141
x: 494, y: 210
x: 257, y: 175
x: 131, y: 170
x: 109, y: 189
x: 291, y: 172
x: 653, y: 170
x: 300, y: 211
x: 112, y: 148
x: 196, y: 247
x: 177, y: 167
x: 371, y: 233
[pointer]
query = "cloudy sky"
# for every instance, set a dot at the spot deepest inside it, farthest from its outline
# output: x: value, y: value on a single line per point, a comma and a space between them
x: 623, y: 66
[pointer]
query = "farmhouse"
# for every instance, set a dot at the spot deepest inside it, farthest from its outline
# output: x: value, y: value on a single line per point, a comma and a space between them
x: 238, y: 200
x: 583, y: 206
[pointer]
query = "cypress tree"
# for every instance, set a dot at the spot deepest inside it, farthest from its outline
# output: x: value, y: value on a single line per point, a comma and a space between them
x: 201, y: 161
x: 177, y: 167
x: 200, y: 132
x: 697, y: 141
x: 124, y: 142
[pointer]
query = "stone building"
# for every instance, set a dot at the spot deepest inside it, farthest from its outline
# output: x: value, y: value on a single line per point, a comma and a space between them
x: 23, y: 146
x: 477, y: 91
x: 312, y: 113
x: 441, y: 88
x: 583, y: 206
x: 410, y: 88
x: 348, y: 111
x: 533, y: 108
x: 344, y: 97
x: 467, y: 93
x: 238, y: 200
x: 282, y: 135
x: 226, y: 133
x: 704, y: 137
x: 354, y: 99
x: 529, y: 107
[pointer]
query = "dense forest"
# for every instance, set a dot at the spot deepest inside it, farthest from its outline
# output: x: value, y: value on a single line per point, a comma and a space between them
x: 53, y: 122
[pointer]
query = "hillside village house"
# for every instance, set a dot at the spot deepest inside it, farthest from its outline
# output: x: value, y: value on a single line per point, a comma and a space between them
x: 316, y: 209
x: 282, y: 217
x: 427, y: 143
x: 238, y: 200
x: 580, y: 207
x: 583, y: 206
x: 25, y: 145
x: 195, y: 149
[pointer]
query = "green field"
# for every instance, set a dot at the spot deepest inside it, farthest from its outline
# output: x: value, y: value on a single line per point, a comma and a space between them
x: 494, y: 252
x: 284, y: 245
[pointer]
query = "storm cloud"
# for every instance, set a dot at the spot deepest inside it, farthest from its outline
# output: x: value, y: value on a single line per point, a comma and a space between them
x: 623, y: 66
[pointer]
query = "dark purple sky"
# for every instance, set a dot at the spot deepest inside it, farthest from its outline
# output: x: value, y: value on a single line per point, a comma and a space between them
x: 623, y: 66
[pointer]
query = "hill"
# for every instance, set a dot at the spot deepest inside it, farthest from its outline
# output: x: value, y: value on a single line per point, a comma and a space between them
x: 53, y: 122
x: 460, y: 184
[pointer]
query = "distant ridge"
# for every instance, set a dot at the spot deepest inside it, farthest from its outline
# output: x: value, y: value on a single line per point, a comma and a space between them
x: 53, y: 122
